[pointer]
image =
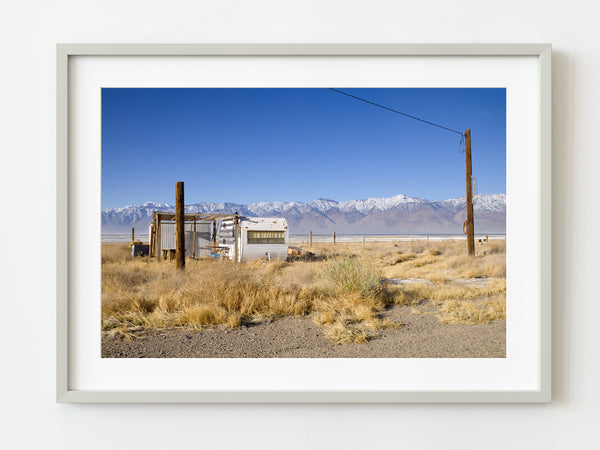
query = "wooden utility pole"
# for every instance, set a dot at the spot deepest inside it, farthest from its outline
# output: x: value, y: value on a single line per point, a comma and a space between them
x: 310, y: 239
x: 179, y: 225
x: 470, y: 222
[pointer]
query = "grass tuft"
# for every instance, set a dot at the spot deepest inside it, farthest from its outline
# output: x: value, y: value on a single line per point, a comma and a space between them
x: 349, y: 275
x: 470, y: 313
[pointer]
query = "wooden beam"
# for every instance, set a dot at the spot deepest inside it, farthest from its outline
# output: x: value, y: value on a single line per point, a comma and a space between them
x: 199, y: 217
x: 153, y: 235
x: 194, y: 250
x: 151, y: 250
x: 235, y: 237
x: 158, y: 239
x: 179, y: 226
x: 214, y: 244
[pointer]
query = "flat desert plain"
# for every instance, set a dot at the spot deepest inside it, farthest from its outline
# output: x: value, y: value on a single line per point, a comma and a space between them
x: 392, y: 299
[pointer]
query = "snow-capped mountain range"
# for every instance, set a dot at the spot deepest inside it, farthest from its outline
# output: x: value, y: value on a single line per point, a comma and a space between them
x: 394, y: 215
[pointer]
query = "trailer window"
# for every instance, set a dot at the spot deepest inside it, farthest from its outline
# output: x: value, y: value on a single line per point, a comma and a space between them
x: 265, y: 237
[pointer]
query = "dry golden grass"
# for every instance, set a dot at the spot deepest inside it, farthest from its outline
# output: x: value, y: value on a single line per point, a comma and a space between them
x: 345, y: 333
x: 342, y: 289
x: 431, y: 260
x: 207, y: 293
x: 115, y: 253
x: 416, y: 292
x: 472, y: 312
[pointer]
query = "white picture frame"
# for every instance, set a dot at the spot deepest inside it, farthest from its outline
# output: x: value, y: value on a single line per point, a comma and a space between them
x: 538, y: 391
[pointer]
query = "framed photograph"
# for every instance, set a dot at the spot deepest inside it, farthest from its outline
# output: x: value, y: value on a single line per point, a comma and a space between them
x: 303, y: 223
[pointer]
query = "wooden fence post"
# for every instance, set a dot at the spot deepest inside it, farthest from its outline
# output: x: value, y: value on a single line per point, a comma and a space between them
x: 310, y: 239
x: 334, y: 238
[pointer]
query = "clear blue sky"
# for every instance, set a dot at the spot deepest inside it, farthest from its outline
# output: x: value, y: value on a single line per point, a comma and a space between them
x: 251, y: 145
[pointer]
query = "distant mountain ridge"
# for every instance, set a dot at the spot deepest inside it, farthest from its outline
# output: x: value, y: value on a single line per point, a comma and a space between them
x: 400, y: 214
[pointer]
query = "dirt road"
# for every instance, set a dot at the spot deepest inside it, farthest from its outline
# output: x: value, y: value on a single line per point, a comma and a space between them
x: 422, y: 336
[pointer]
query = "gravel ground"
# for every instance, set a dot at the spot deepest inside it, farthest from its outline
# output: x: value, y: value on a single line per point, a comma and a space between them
x: 300, y: 337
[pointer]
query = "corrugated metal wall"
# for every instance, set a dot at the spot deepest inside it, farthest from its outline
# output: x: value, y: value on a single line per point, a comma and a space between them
x: 167, y: 235
x: 203, y: 237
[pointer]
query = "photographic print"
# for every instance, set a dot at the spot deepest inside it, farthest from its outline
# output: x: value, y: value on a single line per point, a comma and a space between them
x: 303, y: 223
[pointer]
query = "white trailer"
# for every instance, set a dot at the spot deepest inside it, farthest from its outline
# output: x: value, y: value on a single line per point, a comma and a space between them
x: 264, y: 238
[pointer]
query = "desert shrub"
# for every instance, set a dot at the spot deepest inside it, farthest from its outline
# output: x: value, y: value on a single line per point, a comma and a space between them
x: 351, y: 276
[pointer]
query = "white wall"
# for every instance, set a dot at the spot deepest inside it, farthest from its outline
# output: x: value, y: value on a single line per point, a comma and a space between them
x: 29, y: 31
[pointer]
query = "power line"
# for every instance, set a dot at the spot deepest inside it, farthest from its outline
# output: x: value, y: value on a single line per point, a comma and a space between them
x: 397, y: 112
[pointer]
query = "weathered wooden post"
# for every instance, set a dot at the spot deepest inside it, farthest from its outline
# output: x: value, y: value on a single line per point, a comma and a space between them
x: 213, y: 248
x: 236, y: 248
x: 179, y: 226
x: 310, y: 239
x: 194, y: 247
x: 158, y: 238
x: 334, y: 238
x: 132, y: 234
x: 470, y: 222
